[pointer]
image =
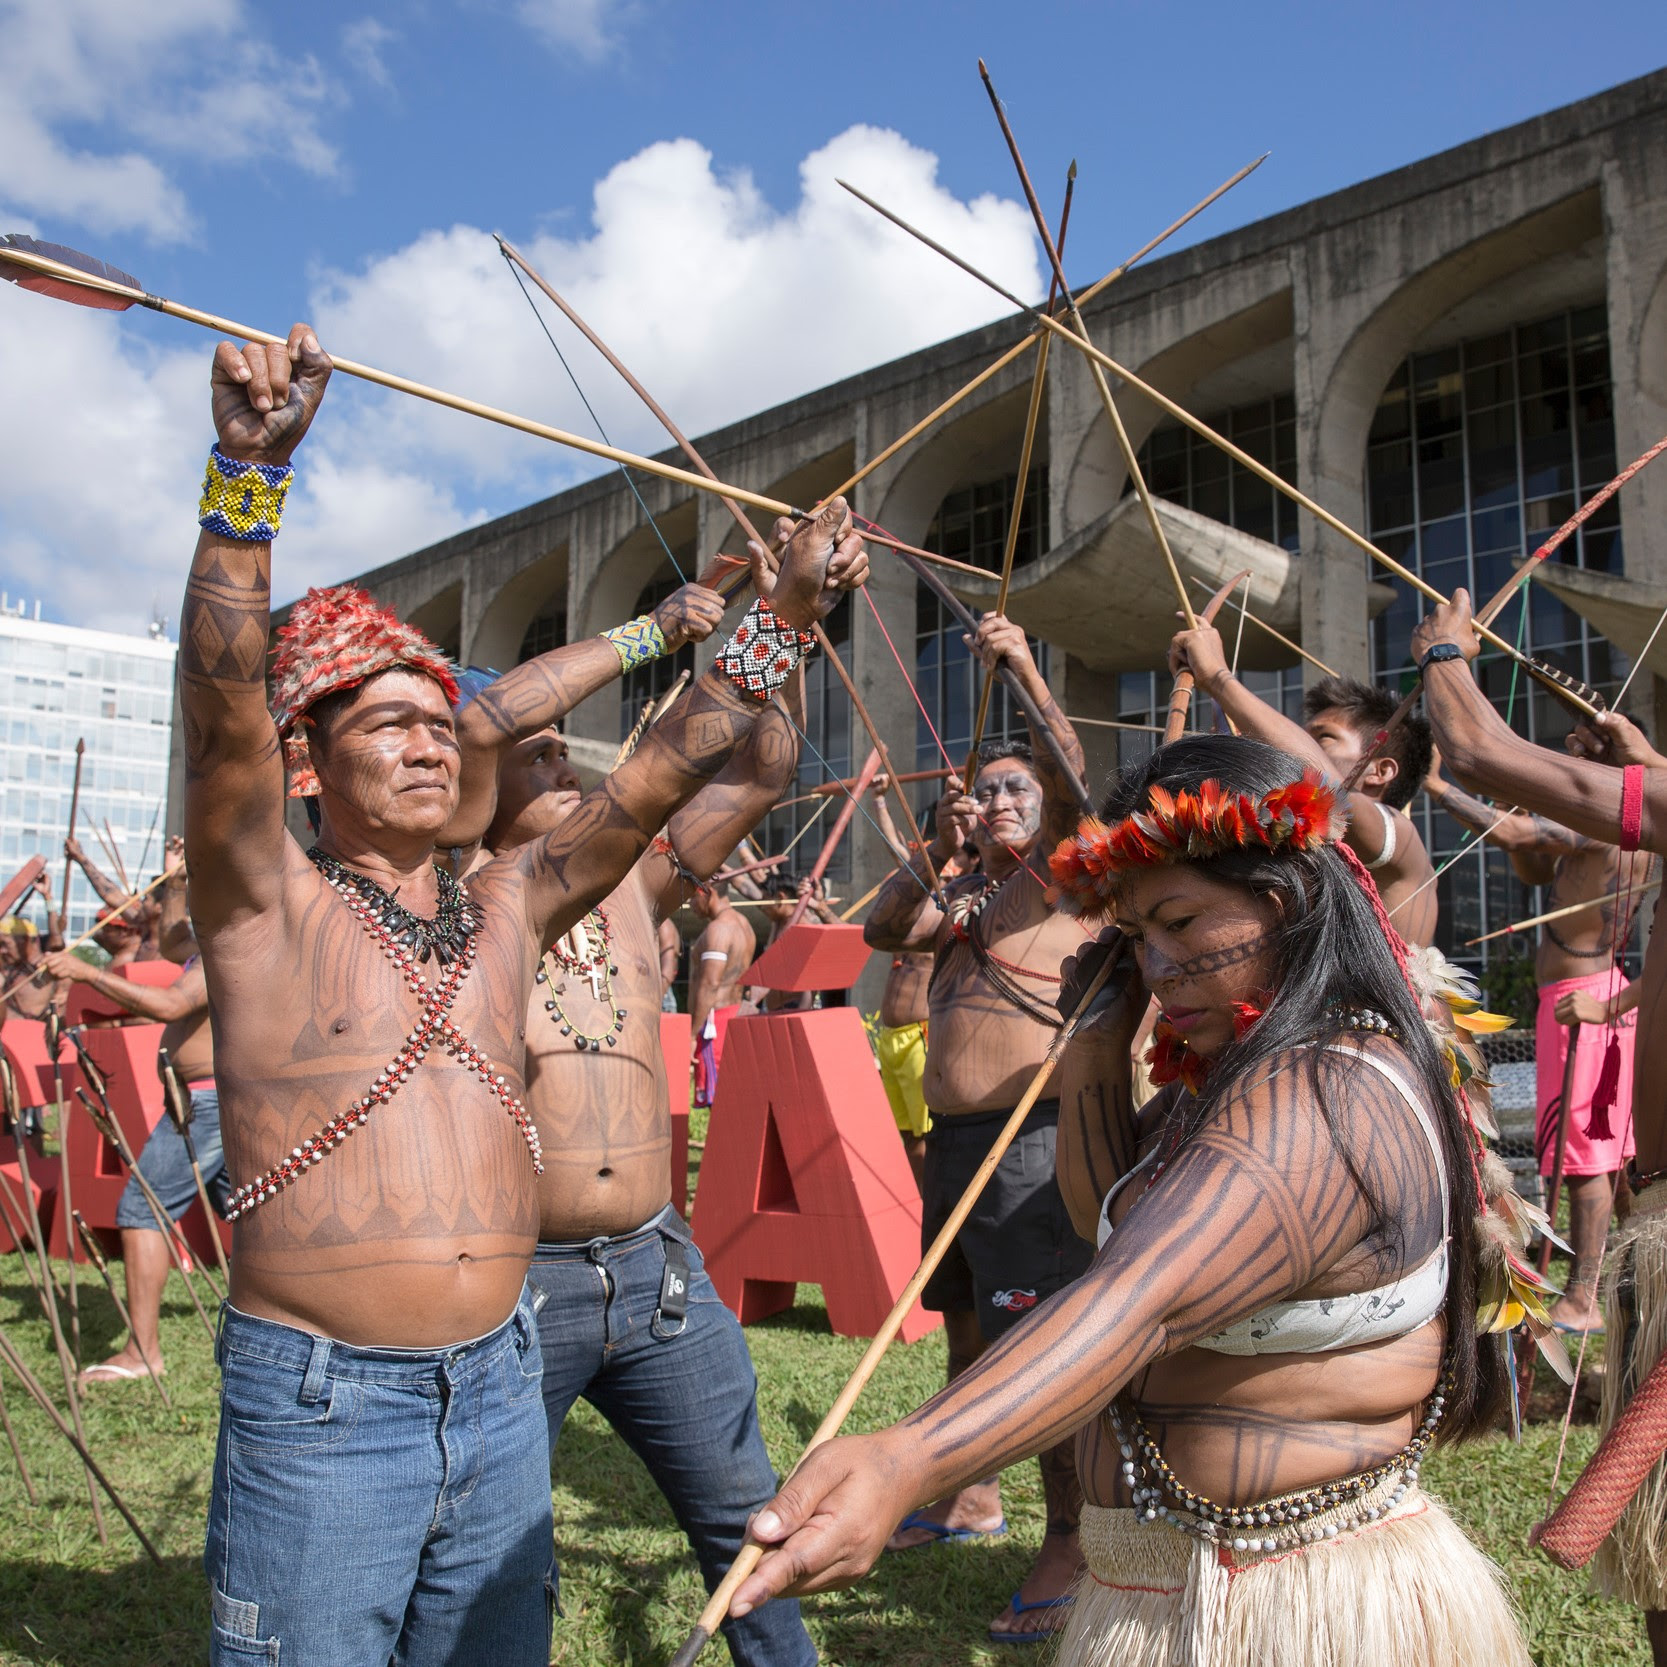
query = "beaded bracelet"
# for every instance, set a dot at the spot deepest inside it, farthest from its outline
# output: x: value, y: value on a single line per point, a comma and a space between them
x: 760, y: 657
x: 243, y: 500
x: 637, y: 641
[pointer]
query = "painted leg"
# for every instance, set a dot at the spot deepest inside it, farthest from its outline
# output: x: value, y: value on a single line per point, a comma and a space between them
x: 1059, y: 1561
x: 145, y: 1255
x: 1591, y: 1198
x: 975, y: 1509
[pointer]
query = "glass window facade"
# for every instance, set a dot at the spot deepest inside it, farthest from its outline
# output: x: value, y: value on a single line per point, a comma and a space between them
x: 57, y: 685
x: 1183, y: 468
x: 1477, y: 453
x: 971, y: 525
x: 547, y: 631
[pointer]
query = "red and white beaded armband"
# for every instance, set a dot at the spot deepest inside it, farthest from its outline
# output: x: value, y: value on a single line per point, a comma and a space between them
x: 760, y: 657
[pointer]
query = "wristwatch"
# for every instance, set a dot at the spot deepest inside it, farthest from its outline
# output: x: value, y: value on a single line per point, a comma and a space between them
x: 1441, y: 651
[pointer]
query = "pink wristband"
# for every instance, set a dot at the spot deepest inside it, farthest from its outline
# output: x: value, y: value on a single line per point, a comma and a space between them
x: 1632, y: 806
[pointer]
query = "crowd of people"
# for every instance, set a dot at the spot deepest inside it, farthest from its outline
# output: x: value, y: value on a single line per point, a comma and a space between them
x: 1230, y: 1283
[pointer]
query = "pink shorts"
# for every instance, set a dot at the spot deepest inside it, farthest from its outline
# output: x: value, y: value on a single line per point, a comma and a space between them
x: 1584, y: 1155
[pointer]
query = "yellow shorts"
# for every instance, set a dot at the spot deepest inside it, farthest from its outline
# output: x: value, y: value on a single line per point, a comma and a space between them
x: 902, y: 1051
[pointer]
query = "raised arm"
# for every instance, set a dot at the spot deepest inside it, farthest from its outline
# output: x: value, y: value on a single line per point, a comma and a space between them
x: 535, y: 695
x: 586, y: 858
x: 264, y: 399
x: 1482, y: 749
x: 1200, y: 651
x: 731, y: 805
x: 175, y: 939
x: 110, y: 894
x: 1257, y: 1204
x: 906, y: 917
x: 998, y: 640
x: 185, y: 998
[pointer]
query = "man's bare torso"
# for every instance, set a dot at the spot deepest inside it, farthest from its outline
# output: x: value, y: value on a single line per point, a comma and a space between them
x: 904, y: 1000
x: 416, y: 1231
x: 1582, y: 944
x: 727, y: 934
x: 604, y: 1116
x: 984, y: 1050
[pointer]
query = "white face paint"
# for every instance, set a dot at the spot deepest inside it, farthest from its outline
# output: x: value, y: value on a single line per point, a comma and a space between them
x: 1009, y: 799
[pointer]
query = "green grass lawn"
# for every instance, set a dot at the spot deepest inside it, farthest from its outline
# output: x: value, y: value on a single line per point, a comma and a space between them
x: 629, y: 1586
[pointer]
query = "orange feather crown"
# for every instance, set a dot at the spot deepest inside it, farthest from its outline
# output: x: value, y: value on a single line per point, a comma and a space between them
x: 336, y: 639
x: 1190, y: 827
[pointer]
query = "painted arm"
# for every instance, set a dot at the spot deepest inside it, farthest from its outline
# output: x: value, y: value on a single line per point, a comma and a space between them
x: 1201, y: 652
x: 110, y: 894
x: 906, y: 918
x: 264, y: 400
x: 578, y: 865
x: 1255, y: 1207
x: 999, y: 640
x: 535, y: 695
x: 185, y: 998
x: 710, y: 971
x: 1097, y: 1134
x: 1482, y: 749
x: 732, y: 804
x: 175, y: 939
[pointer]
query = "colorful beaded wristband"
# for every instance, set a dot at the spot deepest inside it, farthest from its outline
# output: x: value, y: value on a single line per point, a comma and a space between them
x: 241, y: 500
x: 637, y: 641
x: 760, y: 657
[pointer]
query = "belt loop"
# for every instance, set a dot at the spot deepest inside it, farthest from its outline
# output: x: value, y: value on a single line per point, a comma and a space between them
x: 318, y: 1365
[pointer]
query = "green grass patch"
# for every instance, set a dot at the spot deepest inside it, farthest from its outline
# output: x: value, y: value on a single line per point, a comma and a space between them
x: 629, y: 1585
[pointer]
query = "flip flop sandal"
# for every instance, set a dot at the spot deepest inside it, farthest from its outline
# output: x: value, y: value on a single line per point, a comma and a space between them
x: 1039, y: 1636
x: 943, y: 1534
x: 108, y: 1372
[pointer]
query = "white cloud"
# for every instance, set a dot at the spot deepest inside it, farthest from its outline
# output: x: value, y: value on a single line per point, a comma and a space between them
x: 579, y: 26
x: 179, y: 77
x: 103, y: 461
x: 362, y: 46
x: 720, y: 303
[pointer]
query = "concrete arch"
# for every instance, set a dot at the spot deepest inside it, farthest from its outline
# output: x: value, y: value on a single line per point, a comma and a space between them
x: 440, y: 619
x: 977, y: 446
x: 523, y: 596
x: 1234, y: 359
x: 635, y: 562
x: 1353, y: 385
x: 1652, y: 343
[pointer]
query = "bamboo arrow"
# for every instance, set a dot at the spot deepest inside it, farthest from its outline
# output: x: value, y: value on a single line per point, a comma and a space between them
x: 731, y: 503
x: 23, y: 261
x: 1027, y: 446
x: 1545, y: 674
x: 1557, y: 914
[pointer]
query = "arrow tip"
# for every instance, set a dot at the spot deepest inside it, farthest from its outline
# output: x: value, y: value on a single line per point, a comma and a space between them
x: 982, y: 71
x: 1071, y: 172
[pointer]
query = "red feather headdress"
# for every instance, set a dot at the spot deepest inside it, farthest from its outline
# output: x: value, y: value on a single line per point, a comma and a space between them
x: 1190, y: 827
x: 336, y: 639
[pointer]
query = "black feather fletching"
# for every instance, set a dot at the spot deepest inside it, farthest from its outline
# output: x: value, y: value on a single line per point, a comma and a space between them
x: 63, y: 289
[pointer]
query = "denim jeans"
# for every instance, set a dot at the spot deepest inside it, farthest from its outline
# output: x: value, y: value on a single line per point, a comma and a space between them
x: 379, y: 1505
x: 683, y: 1395
x: 166, y: 1164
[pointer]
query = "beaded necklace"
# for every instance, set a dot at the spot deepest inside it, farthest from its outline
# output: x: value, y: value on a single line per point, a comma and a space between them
x: 585, y: 952
x: 406, y: 940
x: 1286, y: 1522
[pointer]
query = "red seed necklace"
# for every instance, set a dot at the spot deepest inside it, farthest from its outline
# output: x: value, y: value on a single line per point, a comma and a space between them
x: 372, y: 907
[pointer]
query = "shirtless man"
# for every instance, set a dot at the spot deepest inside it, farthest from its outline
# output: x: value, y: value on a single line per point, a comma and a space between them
x: 722, y: 953
x: 1624, y: 806
x: 998, y: 949
x: 165, y: 1163
x: 1577, y: 967
x: 631, y: 1321
x: 671, y: 959
x: 381, y: 1487
x: 141, y: 916
x: 1341, y: 718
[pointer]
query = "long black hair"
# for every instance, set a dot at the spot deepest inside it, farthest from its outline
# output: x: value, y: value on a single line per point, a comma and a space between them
x: 1330, y: 956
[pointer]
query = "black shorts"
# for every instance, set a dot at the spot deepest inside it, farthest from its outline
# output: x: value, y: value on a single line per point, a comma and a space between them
x: 1018, y: 1246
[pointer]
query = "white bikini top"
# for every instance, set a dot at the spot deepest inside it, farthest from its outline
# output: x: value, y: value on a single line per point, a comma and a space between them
x: 1317, y: 1325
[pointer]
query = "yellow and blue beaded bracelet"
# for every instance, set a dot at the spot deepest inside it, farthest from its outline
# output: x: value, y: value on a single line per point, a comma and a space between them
x: 637, y: 641
x: 243, y: 500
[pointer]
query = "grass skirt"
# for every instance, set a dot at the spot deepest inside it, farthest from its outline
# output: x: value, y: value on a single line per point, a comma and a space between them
x: 1632, y: 1563
x: 1408, y: 1590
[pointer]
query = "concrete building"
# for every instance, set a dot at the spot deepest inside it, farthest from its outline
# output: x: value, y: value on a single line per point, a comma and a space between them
x: 1448, y: 357
x: 58, y: 685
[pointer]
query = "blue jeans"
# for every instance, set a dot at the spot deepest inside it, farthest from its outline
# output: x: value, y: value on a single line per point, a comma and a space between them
x: 380, y: 1505
x: 166, y: 1164
x: 683, y: 1395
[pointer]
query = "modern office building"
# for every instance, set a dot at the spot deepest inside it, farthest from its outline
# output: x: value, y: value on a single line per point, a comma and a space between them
x: 58, y: 685
x: 1449, y: 358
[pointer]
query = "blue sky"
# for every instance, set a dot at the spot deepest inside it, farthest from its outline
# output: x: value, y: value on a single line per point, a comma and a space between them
x: 670, y: 167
